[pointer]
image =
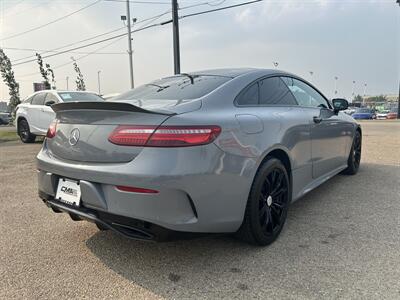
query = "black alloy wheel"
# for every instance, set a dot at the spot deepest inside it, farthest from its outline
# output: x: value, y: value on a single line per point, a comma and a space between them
x: 267, y: 205
x: 24, y: 132
x: 272, y: 202
x: 353, y: 162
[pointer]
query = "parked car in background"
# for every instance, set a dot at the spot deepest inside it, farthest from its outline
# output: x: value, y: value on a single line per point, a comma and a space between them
x: 364, y: 114
x: 392, y: 114
x: 34, y: 115
x: 5, y: 118
x: 221, y: 151
x: 382, y: 115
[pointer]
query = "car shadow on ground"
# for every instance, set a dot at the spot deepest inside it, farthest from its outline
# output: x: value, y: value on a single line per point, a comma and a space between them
x: 317, y: 235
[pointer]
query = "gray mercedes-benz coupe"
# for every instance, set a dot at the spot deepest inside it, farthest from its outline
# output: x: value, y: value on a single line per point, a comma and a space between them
x: 217, y: 151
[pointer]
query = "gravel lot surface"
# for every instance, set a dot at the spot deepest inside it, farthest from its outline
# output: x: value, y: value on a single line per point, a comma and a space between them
x: 341, y: 241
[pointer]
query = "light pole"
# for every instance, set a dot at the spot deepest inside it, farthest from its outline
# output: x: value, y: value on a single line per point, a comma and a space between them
x: 175, y: 37
x: 311, y: 74
x: 365, y: 89
x: 98, y: 80
x: 67, y: 82
x: 336, y: 79
x: 398, y: 99
x: 352, y: 90
x: 130, y: 53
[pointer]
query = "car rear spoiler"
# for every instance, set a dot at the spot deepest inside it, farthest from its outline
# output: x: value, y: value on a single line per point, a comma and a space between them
x: 111, y: 106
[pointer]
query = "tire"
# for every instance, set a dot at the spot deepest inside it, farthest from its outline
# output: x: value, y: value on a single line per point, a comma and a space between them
x: 353, y: 162
x: 24, y: 132
x: 267, y: 205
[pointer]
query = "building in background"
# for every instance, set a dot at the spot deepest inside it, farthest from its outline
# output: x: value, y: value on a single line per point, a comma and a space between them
x: 39, y: 86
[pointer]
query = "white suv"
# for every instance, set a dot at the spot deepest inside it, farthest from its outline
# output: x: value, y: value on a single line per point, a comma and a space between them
x: 34, y: 115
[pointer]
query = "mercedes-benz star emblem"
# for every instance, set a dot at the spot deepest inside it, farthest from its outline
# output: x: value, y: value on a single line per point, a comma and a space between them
x: 74, y: 137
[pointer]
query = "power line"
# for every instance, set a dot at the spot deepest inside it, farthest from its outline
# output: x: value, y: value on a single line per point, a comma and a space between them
x: 51, y: 22
x: 201, y: 4
x: 91, y: 44
x: 76, y: 59
x: 140, y: 29
x: 93, y: 37
x: 54, y: 51
x: 218, y: 9
x: 152, y: 19
x: 117, y: 29
x: 98, y: 49
x: 74, y: 43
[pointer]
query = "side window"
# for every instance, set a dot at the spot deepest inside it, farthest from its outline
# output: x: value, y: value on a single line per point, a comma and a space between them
x: 51, y: 98
x: 28, y: 100
x: 249, y: 96
x: 38, y: 99
x: 273, y: 91
x: 305, y: 94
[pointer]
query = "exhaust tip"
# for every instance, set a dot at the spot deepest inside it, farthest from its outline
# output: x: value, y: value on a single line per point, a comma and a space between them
x: 75, y: 217
x: 56, y: 210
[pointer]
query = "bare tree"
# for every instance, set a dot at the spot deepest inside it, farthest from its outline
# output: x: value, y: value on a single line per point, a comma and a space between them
x: 43, y: 71
x: 50, y: 72
x: 80, y: 83
x: 9, y: 79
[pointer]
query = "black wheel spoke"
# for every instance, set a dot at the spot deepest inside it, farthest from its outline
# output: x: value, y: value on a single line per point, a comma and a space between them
x: 263, y: 210
x: 267, y: 186
x: 270, y: 220
x: 279, y: 192
x: 277, y: 183
x: 276, y: 215
x: 276, y: 205
x: 273, y: 201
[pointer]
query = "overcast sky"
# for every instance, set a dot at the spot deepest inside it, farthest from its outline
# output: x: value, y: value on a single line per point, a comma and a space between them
x: 354, y: 40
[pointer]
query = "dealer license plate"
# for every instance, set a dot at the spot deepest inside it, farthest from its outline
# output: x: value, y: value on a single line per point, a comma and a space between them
x: 68, y: 191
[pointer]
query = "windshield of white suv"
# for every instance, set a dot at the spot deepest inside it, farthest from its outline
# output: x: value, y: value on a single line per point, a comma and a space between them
x: 79, y: 96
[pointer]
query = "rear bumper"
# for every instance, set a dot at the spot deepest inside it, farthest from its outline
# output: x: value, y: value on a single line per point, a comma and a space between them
x: 196, y: 191
x: 127, y: 227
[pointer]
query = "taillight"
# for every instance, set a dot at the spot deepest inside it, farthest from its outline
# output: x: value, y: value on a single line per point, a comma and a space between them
x: 131, y: 135
x: 164, y: 136
x: 178, y: 136
x: 51, y: 132
x: 133, y: 189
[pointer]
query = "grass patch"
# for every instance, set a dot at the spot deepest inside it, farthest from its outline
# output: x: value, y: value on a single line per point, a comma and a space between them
x: 6, y: 136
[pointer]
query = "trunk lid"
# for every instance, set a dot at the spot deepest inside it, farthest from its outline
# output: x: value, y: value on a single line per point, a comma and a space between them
x: 84, y: 127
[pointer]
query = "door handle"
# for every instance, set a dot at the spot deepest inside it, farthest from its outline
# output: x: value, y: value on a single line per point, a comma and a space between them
x: 317, y: 120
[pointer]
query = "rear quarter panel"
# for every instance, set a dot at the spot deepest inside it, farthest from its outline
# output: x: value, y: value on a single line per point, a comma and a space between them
x: 22, y: 113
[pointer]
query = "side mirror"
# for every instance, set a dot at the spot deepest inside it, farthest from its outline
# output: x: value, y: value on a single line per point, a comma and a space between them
x: 340, y: 104
x: 50, y: 103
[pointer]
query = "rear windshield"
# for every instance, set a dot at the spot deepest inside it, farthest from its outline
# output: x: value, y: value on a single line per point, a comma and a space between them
x: 175, y: 88
x: 79, y: 96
